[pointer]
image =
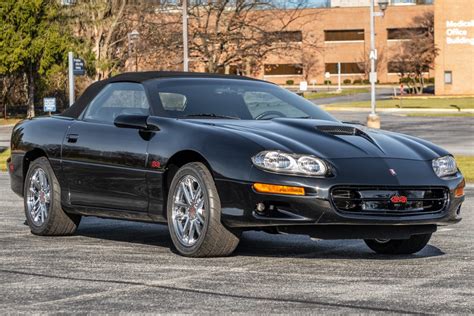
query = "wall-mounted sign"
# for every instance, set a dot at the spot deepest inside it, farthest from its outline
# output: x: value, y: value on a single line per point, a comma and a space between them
x: 78, y: 67
x: 49, y: 104
x: 460, y: 32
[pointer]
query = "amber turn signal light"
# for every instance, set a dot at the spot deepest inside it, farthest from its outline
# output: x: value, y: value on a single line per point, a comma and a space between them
x: 459, y: 191
x: 278, y: 189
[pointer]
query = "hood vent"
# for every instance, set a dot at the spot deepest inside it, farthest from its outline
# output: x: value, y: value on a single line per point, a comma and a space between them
x: 340, y: 130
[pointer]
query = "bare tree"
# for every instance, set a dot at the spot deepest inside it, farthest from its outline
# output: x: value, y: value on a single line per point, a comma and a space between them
x: 310, y: 55
x: 242, y: 32
x: 417, y: 55
x: 101, y: 26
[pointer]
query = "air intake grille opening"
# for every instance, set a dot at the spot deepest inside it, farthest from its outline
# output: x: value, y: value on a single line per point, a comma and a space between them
x: 338, y: 130
x: 389, y: 201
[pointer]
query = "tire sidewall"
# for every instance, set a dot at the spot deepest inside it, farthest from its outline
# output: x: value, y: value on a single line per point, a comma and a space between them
x: 42, y: 163
x: 211, y: 210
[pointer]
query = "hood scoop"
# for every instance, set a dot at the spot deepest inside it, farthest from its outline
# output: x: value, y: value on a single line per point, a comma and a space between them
x: 341, y: 130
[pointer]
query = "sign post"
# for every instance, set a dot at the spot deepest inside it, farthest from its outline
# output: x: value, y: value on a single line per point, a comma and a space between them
x: 327, y: 75
x: 339, y: 77
x: 76, y: 68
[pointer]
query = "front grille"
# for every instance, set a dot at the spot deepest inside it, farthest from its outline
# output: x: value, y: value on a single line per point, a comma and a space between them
x: 389, y: 201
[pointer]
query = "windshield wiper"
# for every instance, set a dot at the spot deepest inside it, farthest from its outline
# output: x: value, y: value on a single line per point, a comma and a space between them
x: 212, y: 115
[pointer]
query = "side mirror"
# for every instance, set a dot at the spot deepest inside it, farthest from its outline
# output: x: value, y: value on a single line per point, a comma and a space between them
x: 133, y: 121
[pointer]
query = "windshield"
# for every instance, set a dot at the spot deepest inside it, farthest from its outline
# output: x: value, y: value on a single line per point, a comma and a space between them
x: 233, y: 99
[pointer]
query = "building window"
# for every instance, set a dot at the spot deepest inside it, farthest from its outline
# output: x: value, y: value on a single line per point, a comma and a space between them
x: 448, y: 77
x: 346, y: 68
x: 343, y: 35
x: 286, y: 36
x: 404, y: 33
x: 283, y: 69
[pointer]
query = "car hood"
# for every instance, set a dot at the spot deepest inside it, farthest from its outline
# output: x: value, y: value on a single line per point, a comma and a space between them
x: 328, y: 139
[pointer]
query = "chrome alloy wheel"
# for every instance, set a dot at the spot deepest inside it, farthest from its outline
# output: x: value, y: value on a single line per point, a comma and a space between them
x: 188, y: 210
x: 39, y: 197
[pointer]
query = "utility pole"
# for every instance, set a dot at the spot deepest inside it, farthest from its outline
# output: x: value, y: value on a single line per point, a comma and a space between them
x: 185, y: 36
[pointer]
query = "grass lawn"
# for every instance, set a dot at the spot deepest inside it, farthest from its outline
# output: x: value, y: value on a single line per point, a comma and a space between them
x: 329, y: 94
x: 9, y: 121
x: 442, y: 114
x: 3, y: 159
x: 434, y: 103
x: 466, y: 165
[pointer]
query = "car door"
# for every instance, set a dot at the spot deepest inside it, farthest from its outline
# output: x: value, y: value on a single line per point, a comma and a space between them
x: 105, y: 165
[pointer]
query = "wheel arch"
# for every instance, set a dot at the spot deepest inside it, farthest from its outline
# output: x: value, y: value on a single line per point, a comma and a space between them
x: 173, y: 164
x: 29, y: 157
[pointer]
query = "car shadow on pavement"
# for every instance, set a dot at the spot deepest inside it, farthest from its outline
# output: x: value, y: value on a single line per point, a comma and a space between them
x: 299, y: 246
x: 252, y: 243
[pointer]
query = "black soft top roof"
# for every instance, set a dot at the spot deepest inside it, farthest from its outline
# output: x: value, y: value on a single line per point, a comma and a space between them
x: 76, y: 109
x: 149, y: 75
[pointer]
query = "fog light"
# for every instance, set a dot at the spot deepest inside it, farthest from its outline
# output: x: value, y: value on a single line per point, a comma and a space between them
x: 278, y: 189
x: 260, y: 209
x: 459, y: 191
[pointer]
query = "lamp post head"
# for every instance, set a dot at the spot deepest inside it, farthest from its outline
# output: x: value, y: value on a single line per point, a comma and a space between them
x: 383, y: 4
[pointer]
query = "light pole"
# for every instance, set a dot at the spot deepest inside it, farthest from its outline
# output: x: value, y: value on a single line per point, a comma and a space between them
x: 373, y: 119
x: 185, y: 36
x: 133, y: 38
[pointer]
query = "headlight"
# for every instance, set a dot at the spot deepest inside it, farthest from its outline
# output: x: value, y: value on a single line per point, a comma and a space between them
x: 290, y: 163
x: 444, y: 166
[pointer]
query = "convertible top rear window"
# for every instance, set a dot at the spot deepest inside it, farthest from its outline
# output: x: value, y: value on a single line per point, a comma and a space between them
x: 246, y: 100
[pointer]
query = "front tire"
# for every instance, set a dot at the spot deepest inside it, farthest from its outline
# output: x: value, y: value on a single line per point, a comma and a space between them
x: 399, y: 246
x: 42, y: 200
x: 194, y: 214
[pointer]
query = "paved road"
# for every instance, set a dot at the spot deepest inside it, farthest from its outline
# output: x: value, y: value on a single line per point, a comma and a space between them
x: 113, y: 266
x: 381, y: 94
x: 455, y: 134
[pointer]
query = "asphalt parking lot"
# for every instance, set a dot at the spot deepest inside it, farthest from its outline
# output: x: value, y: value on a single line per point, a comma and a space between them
x: 455, y: 134
x: 113, y: 266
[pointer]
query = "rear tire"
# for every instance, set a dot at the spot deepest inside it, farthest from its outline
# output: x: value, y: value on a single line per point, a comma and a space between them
x: 194, y: 214
x: 42, y: 201
x: 399, y: 246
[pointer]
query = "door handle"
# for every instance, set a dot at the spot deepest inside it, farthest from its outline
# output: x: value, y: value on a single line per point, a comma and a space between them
x: 72, y: 138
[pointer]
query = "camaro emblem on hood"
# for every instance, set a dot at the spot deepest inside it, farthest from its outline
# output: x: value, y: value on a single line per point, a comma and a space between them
x: 396, y: 199
x: 392, y: 172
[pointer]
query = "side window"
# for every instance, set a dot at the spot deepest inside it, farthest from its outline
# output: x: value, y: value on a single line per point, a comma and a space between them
x: 261, y: 102
x: 118, y: 99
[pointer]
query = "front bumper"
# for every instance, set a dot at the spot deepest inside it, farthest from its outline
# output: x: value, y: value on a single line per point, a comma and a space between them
x: 239, y: 200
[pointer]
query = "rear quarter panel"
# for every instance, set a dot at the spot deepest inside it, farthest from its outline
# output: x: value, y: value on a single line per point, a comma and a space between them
x: 42, y: 134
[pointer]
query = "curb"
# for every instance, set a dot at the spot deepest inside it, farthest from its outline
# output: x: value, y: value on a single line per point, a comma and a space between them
x: 331, y: 107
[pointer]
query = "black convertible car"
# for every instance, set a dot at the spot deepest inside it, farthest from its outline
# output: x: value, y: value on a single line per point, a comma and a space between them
x: 215, y: 155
